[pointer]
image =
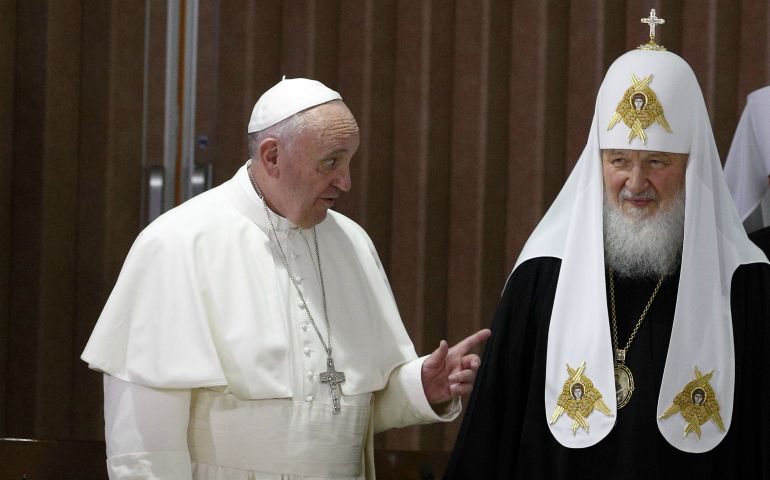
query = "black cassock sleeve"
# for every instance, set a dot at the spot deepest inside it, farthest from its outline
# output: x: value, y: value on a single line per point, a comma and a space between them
x: 762, y: 239
x: 491, y: 433
x: 748, y: 441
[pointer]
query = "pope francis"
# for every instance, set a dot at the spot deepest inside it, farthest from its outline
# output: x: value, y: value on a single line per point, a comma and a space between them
x: 252, y: 332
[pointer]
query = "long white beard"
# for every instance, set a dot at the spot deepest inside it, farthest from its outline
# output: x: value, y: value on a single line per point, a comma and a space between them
x: 636, y: 247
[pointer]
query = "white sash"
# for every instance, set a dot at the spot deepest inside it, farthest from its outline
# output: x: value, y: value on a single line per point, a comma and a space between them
x: 278, y: 437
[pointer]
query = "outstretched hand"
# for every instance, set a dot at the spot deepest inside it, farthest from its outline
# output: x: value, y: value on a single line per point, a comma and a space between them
x: 450, y: 372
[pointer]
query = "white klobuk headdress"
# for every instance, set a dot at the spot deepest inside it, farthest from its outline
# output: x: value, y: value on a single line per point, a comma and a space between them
x: 748, y: 162
x: 671, y: 117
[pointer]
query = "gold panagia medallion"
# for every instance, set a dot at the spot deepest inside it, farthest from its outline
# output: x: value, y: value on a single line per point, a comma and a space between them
x: 697, y: 403
x: 579, y: 398
x: 624, y: 385
x: 639, y: 109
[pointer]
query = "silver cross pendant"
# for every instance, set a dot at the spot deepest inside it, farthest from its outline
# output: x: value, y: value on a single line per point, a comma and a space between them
x: 333, y: 378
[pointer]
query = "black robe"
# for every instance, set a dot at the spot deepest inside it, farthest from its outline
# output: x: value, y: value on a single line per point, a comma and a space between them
x: 504, y: 434
x: 762, y: 239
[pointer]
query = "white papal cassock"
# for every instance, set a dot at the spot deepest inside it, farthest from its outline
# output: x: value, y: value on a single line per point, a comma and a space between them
x: 204, y: 334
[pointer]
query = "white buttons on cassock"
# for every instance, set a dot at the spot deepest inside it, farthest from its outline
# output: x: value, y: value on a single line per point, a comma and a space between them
x: 306, y: 350
x: 304, y: 327
x: 309, y: 398
x: 298, y: 279
x: 310, y: 374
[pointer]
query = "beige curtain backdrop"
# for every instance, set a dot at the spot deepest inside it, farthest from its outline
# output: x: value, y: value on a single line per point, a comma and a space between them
x: 472, y: 114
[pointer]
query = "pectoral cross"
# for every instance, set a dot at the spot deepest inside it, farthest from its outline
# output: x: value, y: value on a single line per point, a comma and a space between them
x: 333, y: 378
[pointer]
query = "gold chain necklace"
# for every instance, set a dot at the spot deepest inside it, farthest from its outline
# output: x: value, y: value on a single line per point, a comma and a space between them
x: 624, y: 380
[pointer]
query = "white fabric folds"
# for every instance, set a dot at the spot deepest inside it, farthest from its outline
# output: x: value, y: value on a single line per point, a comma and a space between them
x: 286, y: 435
x: 748, y: 162
x: 197, y: 303
x: 148, y: 431
x: 145, y: 430
x: 715, y: 244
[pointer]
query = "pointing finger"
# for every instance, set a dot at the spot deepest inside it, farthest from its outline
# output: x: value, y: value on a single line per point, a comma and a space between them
x: 464, y: 346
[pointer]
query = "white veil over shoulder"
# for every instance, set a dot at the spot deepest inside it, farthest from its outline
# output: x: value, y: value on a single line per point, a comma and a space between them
x: 748, y: 162
x: 715, y: 244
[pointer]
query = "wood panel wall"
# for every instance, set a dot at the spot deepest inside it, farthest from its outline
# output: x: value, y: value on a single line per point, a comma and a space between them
x: 472, y: 113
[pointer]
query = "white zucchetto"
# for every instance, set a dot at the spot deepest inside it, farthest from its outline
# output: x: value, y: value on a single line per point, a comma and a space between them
x: 287, y: 97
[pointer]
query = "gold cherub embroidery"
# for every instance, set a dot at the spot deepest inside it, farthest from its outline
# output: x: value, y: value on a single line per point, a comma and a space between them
x: 579, y: 398
x: 639, y: 109
x: 697, y: 403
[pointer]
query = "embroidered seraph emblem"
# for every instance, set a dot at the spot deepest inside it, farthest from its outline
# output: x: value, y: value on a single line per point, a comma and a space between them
x: 639, y: 109
x: 579, y: 398
x: 697, y: 403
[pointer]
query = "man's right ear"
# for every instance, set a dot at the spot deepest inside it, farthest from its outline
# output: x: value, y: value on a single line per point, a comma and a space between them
x: 268, y: 155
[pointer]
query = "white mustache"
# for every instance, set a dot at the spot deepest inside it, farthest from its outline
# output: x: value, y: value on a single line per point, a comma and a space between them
x: 648, y: 194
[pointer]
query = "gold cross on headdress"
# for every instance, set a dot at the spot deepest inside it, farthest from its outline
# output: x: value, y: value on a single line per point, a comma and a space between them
x: 652, y: 21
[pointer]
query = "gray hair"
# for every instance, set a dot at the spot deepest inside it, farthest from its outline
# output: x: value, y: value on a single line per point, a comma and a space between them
x: 286, y: 131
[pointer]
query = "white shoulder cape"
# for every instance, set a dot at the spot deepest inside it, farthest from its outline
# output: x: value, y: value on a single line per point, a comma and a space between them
x: 196, y: 304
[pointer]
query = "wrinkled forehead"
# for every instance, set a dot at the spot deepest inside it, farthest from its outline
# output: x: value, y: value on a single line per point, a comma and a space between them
x: 325, y: 129
x: 335, y: 110
x: 635, y: 152
x: 670, y: 98
x: 330, y: 120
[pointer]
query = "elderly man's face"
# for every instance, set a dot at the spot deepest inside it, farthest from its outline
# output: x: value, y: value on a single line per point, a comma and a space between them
x: 641, y: 182
x: 316, y: 169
